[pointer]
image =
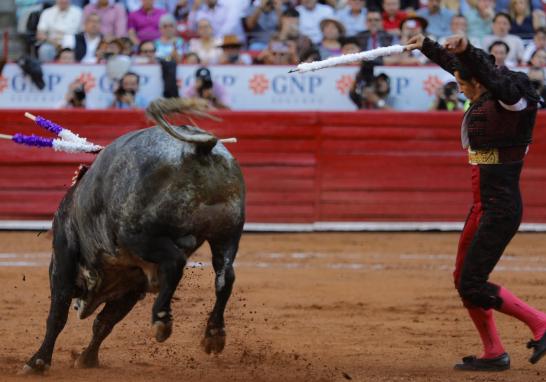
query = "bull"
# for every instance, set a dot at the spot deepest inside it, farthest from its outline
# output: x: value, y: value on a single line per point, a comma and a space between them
x: 129, y: 225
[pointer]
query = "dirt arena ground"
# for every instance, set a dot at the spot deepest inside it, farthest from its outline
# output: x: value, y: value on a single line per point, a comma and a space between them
x: 306, y: 307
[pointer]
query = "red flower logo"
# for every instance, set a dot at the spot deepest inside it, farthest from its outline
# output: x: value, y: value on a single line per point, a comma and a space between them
x: 344, y: 84
x: 431, y: 84
x: 3, y: 84
x: 258, y: 84
x: 88, y: 81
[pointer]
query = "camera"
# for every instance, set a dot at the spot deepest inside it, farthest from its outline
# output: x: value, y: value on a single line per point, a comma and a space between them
x: 206, y: 83
x: 450, y: 89
x: 121, y: 92
x: 79, y: 93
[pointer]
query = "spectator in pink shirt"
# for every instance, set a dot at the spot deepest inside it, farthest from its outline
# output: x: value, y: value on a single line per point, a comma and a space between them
x: 143, y: 24
x: 113, y: 18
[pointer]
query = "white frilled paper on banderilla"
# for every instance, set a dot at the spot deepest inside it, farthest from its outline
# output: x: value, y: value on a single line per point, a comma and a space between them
x: 368, y: 55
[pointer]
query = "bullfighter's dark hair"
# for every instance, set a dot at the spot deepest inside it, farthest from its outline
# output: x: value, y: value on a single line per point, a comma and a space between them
x: 464, y: 73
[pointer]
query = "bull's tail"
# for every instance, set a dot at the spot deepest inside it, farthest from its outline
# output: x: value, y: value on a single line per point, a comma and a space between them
x: 163, y: 107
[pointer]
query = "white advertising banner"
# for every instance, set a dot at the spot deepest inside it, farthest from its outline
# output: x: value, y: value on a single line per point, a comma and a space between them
x: 247, y: 87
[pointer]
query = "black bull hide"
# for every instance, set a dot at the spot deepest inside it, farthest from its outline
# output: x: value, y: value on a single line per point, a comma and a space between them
x: 128, y: 226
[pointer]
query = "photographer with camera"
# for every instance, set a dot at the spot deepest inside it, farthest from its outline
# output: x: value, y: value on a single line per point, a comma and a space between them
x: 369, y: 91
x: 126, y: 95
x: 75, y: 96
x: 447, y: 98
x: 204, y: 88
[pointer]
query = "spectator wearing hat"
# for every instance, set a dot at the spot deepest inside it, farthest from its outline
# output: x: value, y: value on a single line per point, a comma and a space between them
x: 206, y: 46
x: 374, y: 36
x: 539, y: 42
x: 332, y: 30
x: 353, y: 17
x: 499, y: 50
x: 262, y: 19
x: 479, y: 18
x: 392, y: 16
x: 84, y: 44
x: 113, y: 17
x: 231, y: 52
x: 143, y: 24
x: 205, y: 88
x: 438, y: 17
x: 501, y: 29
x: 311, y: 14
x: 169, y: 46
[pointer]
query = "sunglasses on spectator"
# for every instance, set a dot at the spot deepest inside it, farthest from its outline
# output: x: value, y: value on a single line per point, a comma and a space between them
x: 373, y: 19
x: 147, y: 51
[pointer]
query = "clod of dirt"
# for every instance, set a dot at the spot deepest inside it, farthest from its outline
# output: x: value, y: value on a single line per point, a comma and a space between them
x: 346, y: 376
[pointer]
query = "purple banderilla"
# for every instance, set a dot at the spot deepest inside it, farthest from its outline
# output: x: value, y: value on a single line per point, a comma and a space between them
x: 48, y: 125
x: 32, y: 140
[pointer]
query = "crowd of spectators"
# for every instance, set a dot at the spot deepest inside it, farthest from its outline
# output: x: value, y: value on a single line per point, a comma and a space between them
x: 243, y: 32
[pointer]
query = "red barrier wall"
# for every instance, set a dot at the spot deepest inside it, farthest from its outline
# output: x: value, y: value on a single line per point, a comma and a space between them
x: 299, y: 167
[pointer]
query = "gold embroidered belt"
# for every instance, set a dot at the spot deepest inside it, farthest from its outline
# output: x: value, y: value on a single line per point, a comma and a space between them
x: 497, y: 155
x: 484, y: 156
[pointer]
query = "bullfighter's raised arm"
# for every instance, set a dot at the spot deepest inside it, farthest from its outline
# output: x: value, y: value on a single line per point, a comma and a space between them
x: 499, y: 81
x: 439, y: 55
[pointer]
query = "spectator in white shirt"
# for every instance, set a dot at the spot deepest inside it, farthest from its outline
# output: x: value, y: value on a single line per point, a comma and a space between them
x: 225, y: 18
x: 206, y: 46
x: 85, y: 44
x: 501, y: 27
x: 311, y: 14
x: 56, y: 22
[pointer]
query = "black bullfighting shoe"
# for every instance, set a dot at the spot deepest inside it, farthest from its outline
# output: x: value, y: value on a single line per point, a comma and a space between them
x: 539, y: 348
x: 472, y: 363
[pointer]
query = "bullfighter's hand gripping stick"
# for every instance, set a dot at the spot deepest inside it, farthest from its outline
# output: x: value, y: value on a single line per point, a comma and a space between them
x: 368, y: 55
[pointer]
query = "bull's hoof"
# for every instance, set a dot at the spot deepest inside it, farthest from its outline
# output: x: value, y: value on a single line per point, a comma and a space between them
x: 214, y: 341
x: 162, y: 330
x: 39, y: 367
x: 86, y: 361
